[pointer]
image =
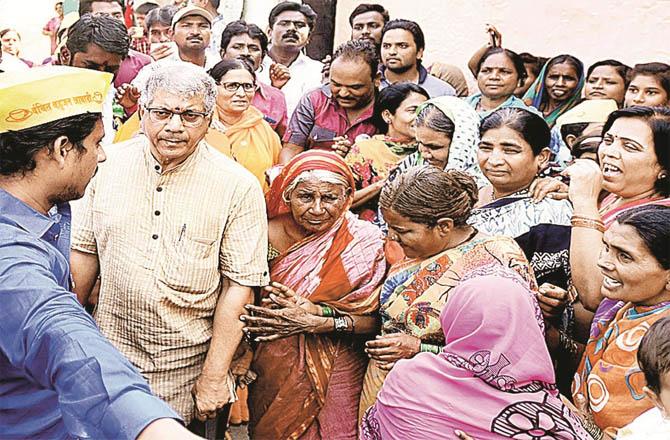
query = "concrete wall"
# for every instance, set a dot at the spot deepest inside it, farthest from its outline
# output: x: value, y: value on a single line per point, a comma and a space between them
x: 29, y: 17
x: 631, y: 31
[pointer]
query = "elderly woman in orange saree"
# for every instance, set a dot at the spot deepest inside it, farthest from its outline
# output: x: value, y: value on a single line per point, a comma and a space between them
x: 327, y: 265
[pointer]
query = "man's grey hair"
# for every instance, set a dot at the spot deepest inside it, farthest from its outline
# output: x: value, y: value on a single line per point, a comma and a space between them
x: 183, y: 79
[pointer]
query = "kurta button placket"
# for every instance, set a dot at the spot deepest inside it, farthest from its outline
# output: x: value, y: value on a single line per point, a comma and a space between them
x: 157, y: 219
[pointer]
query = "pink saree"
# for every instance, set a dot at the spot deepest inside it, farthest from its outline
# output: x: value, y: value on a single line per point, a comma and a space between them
x: 610, y: 214
x: 308, y: 385
x: 493, y: 379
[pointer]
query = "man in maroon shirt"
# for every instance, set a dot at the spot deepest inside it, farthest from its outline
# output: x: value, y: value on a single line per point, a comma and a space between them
x: 334, y: 115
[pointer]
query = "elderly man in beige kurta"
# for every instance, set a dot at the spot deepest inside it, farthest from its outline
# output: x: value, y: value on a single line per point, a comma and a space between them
x: 169, y: 241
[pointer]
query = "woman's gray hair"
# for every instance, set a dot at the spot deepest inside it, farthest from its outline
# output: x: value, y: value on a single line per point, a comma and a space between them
x: 183, y: 79
x: 320, y: 175
x: 426, y: 194
x: 430, y: 116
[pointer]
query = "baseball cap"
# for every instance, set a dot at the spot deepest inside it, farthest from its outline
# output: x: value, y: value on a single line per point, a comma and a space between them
x: 191, y: 10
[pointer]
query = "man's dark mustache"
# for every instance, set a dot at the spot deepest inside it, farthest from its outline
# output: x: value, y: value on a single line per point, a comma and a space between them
x: 292, y: 34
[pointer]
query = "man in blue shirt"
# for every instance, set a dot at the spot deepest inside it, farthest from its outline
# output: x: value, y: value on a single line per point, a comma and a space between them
x: 59, y: 377
x: 402, y: 49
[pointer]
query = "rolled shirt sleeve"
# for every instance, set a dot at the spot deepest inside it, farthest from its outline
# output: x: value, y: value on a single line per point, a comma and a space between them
x: 302, y: 122
x: 46, y: 333
x: 244, y: 247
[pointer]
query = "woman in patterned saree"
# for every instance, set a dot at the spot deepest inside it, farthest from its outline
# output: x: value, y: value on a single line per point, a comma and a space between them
x: 493, y: 379
x: 513, y: 150
x: 635, y: 267
x: 447, y: 133
x: 426, y: 210
x: 325, y: 268
x: 634, y: 168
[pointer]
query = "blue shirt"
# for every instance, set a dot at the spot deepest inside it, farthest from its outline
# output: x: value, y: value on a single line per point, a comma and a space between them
x: 431, y: 84
x: 59, y: 377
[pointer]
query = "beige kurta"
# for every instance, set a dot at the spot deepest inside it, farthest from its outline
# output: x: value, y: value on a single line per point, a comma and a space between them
x: 164, y: 241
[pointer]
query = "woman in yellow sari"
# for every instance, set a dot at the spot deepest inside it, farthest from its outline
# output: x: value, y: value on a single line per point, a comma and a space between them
x: 426, y: 211
x: 239, y: 130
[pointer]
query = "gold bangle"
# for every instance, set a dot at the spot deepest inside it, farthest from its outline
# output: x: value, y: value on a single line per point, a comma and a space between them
x: 583, y: 217
x: 589, y: 223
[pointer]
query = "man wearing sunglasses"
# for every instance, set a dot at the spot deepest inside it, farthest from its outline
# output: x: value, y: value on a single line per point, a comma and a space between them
x: 178, y: 234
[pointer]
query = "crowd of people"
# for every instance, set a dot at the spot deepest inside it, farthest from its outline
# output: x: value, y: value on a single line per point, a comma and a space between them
x: 354, y: 247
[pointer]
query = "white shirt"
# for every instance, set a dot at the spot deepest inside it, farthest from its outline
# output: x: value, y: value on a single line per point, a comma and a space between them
x: 10, y: 63
x: 213, y: 51
x: 305, y: 76
x: 146, y: 71
x: 649, y: 426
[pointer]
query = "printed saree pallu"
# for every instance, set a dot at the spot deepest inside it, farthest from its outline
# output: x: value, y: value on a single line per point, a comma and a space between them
x: 415, y: 293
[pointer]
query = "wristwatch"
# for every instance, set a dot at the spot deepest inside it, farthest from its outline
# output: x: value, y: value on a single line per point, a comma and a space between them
x: 341, y: 324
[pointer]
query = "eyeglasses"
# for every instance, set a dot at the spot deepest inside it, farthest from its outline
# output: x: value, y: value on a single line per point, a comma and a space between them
x: 189, y: 118
x: 287, y: 23
x: 234, y: 86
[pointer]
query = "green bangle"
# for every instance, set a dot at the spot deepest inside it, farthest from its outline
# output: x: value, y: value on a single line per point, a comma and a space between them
x: 326, y: 311
x: 430, y: 348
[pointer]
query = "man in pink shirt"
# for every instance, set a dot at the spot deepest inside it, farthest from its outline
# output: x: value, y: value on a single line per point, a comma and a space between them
x: 246, y: 41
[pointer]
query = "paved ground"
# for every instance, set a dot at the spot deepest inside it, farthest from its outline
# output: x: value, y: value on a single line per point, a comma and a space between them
x: 239, y: 432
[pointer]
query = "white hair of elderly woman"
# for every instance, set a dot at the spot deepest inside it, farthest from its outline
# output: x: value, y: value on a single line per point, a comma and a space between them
x: 183, y: 79
x: 320, y: 175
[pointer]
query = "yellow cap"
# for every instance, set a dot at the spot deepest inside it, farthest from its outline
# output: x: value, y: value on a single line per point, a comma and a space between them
x: 590, y: 110
x: 46, y: 94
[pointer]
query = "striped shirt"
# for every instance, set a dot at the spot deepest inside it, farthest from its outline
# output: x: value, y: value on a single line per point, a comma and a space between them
x: 164, y: 241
